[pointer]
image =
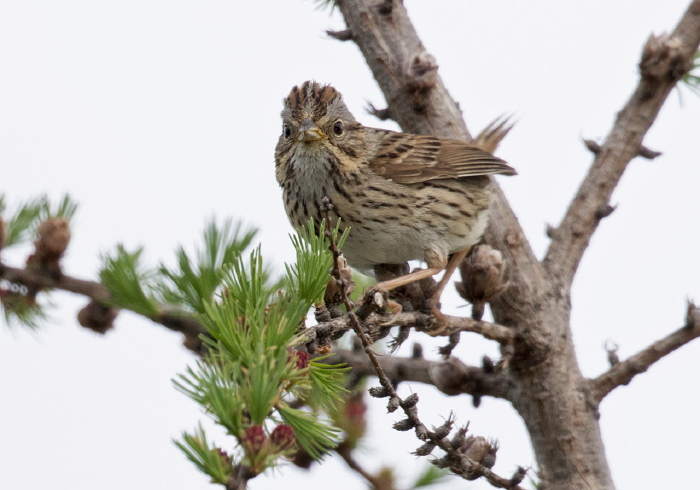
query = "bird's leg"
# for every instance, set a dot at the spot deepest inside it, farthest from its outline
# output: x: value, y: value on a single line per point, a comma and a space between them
x: 452, y: 265
x: 406, y: 279
x: 436, y: 263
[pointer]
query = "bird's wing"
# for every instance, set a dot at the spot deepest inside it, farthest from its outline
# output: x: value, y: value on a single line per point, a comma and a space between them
x: 416, y: 158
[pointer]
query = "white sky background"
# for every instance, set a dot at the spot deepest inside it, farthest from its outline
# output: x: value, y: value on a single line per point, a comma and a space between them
x: 156, y: 115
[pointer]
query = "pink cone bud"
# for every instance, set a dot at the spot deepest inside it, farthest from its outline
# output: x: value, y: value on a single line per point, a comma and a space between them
x: 301, y: 358
x: 253, y: 439
x: 282, y: 437
x: 226, y: 458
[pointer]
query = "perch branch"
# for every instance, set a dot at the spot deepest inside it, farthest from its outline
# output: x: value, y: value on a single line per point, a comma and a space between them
x: 186, y: 324
x: 335, y: 328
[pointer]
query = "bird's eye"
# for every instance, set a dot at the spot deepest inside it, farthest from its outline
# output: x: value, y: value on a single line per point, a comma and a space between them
x: 287, y: 131
x: 338, y: 128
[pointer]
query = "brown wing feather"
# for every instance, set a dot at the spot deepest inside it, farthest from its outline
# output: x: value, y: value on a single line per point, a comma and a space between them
x: 420, y: 158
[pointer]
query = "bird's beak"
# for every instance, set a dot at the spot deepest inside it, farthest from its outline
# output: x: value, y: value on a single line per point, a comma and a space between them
x: 308, y: 131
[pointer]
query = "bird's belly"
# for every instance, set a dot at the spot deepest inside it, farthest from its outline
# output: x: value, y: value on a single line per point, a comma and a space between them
x: 396, y: 244
x: 387, y: 243
x: 437, y: 223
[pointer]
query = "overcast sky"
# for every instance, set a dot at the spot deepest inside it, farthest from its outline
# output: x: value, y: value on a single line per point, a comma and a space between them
x: 156, y: 115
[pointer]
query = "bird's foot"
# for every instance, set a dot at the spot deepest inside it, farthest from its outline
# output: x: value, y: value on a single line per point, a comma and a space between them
x: 441, y: 320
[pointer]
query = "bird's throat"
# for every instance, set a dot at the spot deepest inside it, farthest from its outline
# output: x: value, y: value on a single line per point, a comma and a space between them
x: 313, y: 168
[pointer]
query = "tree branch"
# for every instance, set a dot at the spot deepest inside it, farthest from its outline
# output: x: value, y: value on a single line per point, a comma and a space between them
x: 492, y: 331
x: 335, y: 328
x: 452, y: 377
x: 665, y: 59
x: 185, y: 323
x: 623, y: 372
x: 39, y: 280
x: 469, y: 380
x: 178, y: 322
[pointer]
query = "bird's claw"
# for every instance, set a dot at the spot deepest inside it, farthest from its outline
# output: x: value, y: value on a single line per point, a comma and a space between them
x: 441, y: 320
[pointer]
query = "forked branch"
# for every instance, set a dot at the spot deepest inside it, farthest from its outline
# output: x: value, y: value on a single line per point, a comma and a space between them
x: 665, y: 59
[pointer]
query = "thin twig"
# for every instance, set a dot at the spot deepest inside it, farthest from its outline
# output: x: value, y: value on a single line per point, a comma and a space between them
x: 239, y: 478
x: 178, y: 322
x: 344, y: 35
x: 622, y: 372
x: 345, y: 452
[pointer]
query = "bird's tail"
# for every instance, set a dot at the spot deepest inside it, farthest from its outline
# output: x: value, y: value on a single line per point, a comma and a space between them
x: 492, y: 135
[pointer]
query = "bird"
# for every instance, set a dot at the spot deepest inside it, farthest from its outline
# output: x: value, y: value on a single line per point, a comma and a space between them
x: 403, y: 196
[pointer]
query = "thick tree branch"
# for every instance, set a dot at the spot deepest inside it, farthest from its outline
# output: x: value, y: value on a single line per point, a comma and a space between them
x: 178, y: 322
x: 665, y: 59
x: 623, y: 372
x: 452, y: 377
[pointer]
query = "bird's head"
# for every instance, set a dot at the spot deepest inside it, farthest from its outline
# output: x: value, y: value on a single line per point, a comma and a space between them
x: 315, y: 118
